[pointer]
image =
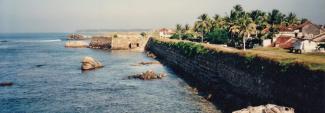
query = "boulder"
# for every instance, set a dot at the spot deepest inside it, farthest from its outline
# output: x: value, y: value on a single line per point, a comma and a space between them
x: 148, y: 75
x: 89, y: 63
x: 76, y: 44
x: 269, y: 108
x: 150, y: 54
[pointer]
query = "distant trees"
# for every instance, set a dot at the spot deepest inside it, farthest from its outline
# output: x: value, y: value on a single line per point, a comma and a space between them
x: 236, y: 28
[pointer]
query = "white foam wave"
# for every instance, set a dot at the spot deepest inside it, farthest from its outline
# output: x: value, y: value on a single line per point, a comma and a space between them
x: 55, y: 40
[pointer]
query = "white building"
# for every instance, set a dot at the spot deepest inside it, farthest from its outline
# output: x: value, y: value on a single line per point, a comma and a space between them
x: 165, y: 33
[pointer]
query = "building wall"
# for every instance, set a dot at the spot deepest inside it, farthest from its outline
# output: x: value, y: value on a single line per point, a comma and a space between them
x: 126, y: 42
x: 309, y: 46
x: 101, y: 42
x: 235, y: 81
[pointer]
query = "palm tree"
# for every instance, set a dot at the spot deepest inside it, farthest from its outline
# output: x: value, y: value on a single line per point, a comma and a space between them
x: 203, y: 25
x: 187, y: 28
x: 292, y: 19
x: 275, y: 18
x: 218, y: 22
x: 236, y: 12
x: 260, y: 18
x: 247, y: 27
x: 178, y: 30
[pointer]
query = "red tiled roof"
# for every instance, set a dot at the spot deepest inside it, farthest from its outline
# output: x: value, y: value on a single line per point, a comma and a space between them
x: 163, y: 30
x: 292, y: 28
x: 285, y: 41
x: 266, y: 30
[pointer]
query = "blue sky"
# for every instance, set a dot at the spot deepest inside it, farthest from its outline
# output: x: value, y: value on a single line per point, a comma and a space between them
x: 71, y: 15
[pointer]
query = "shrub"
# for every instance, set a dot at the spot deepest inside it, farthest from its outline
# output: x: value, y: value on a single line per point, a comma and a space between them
x: 218, y: 36
x: 188, y: 49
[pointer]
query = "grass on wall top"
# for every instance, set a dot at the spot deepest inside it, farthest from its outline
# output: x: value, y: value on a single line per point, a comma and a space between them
x: 314, y: 61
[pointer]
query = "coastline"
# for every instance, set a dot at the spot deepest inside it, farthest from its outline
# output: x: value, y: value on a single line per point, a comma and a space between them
x: 236, y: 81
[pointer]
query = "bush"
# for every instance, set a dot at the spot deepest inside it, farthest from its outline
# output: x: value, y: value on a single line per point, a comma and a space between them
x: 218, y: 36
x: 187, y: 36
x: 188, y: 49
x: 175, y: 36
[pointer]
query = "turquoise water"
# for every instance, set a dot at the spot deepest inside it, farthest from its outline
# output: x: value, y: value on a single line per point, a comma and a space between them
x: 47, y: 78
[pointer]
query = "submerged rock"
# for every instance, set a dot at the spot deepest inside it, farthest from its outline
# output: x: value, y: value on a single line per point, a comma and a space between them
x: 40, y: 65
x: 75, y: 44
x: 146, y: 63
x: 3, y: 84
x: 270, y: 108
x: 148, y: 75
x: 3, y: 41
x: 89, y: 63
x: 150, y: 54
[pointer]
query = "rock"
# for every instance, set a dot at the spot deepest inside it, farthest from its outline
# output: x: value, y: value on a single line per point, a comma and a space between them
x: 75, y: 44
x: 149, y: 54
x: 148, y: 75
x: 89, y: 63
x: 3, y: 84
x: 3, y: 41
x: 146, y: 63
x: 40, y: 65
x: 76, y: 37
x: 269, y: 108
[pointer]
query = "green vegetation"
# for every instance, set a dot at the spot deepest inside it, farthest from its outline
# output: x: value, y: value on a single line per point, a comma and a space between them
x: 218, y: 36
x: 242, y: 26
x: 188, y: 49
x: 183, y: 33
x: 313, y: 61
x: 143, y: 34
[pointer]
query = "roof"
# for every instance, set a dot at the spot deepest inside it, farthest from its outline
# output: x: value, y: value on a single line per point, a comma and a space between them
x: 319, y: 38
x: 164, y: 30
x: 266, y: 30
x: 292, y: 28
x: 285, y: 41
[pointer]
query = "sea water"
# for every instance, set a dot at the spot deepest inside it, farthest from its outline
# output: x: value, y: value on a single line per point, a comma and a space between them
x: 47, y: 78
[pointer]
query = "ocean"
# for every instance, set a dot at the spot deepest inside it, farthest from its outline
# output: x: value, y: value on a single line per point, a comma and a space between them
x: 47, y: 78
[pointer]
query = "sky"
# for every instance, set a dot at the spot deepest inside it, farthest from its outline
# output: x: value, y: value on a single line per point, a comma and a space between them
x: 24, y: 16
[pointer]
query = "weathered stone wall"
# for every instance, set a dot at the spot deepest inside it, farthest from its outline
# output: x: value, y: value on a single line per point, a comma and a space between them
x: 236, y: 82
x: 118, y: 43
x: 126, y: 42
x: 101, y: 42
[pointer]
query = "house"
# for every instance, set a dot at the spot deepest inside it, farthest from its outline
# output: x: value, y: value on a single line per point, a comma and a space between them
x: 305, y: 45
x: 307, y: 30
x: 319, y: 38
x: 304, y: 37
x: 165, y: 33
